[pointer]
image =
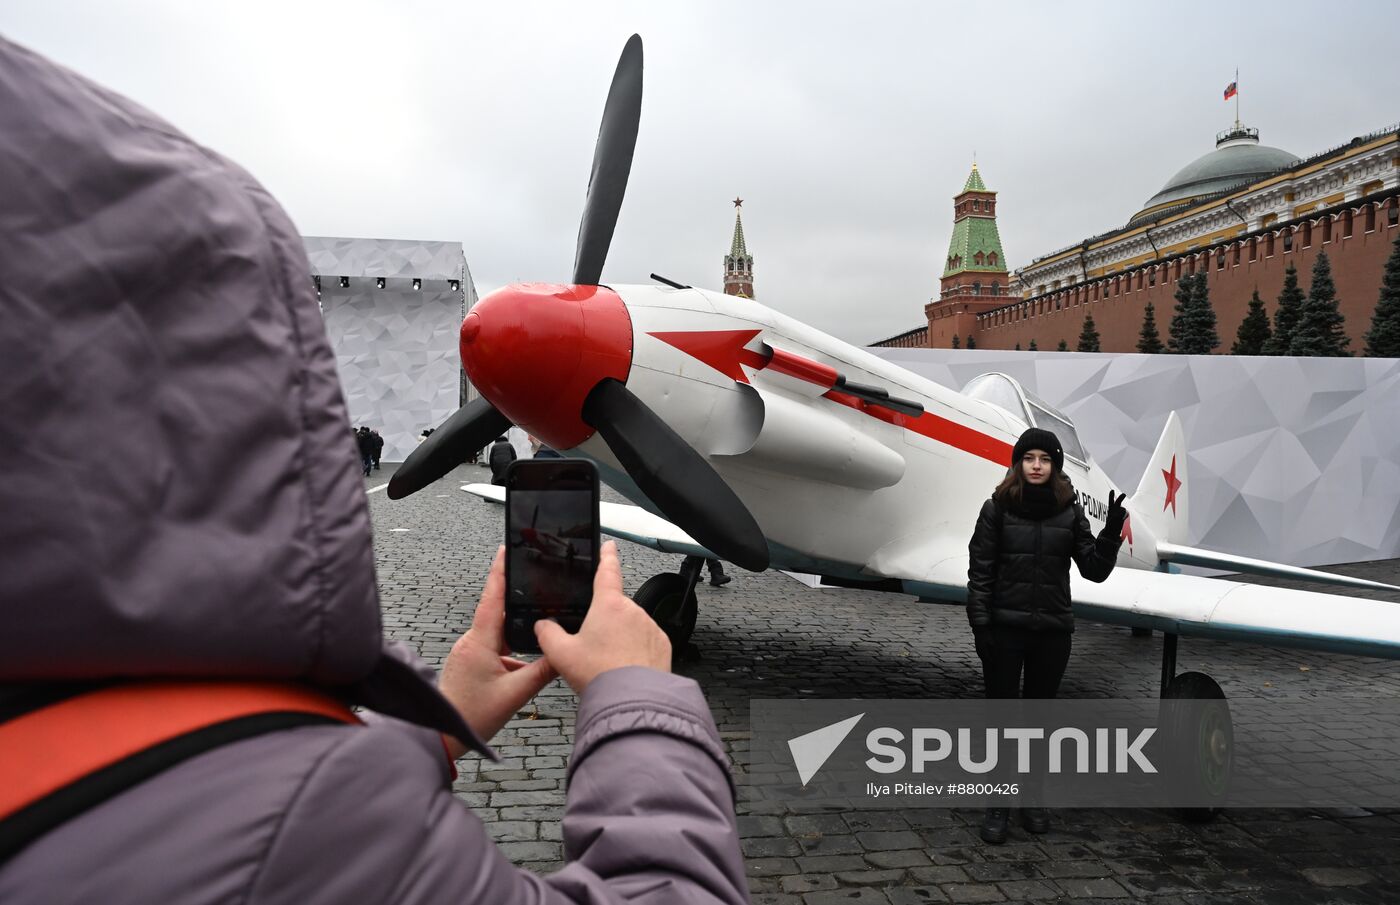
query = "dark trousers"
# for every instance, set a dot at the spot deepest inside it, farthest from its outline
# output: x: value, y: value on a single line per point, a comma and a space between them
x: 715, y: 566
x: 1010, y: 654
x: 1020, y: 663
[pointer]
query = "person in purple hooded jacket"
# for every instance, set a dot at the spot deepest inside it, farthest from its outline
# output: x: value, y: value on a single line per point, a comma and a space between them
x: 183, y: 509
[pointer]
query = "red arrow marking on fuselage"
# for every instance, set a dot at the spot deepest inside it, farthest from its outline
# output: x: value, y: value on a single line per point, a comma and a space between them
x: 724, y: 351
x: 959, y: 436
x: 814, y: 372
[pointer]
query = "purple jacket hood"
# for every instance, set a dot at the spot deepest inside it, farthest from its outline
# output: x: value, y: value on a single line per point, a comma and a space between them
x: 184, y: 496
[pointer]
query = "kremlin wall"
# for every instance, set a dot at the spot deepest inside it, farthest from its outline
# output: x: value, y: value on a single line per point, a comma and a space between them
x: 1241, y: 213
x: 1233, y: 271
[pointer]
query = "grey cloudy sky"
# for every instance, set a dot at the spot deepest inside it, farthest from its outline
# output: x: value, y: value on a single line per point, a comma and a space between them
x: 846, y: 127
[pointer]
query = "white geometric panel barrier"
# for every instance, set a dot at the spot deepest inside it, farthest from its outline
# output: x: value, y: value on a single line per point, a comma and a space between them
x: 1295, y: 460
x: 393, y: 310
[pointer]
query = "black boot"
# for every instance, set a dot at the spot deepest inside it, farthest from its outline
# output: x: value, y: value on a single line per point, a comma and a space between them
x: 720, y: 579
x: 994, y: 825
x: 1035, y: 820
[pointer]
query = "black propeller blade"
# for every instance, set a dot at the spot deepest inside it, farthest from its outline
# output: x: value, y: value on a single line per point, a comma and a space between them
x: 612, y: 162
x: 476, y: 424
x: 470, y: 428
x: 674, y: 476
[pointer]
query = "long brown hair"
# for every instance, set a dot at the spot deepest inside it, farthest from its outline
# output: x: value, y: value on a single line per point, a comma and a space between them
x: 1009, y: 492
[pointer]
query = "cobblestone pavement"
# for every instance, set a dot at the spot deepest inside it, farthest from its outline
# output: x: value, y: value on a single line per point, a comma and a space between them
x: 769, y: 636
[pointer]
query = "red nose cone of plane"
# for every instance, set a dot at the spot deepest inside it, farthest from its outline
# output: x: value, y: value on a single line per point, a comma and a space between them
x: 535, y: 350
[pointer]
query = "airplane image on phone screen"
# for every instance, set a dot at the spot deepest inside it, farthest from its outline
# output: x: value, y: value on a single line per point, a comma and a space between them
x: 551, y: 545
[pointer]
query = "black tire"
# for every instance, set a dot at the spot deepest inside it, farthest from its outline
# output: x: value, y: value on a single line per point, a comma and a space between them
x: 665, y: 600
x: 1203, y: 743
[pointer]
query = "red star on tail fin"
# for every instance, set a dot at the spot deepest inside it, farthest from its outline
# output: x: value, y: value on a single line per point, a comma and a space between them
x: 1173, y: 485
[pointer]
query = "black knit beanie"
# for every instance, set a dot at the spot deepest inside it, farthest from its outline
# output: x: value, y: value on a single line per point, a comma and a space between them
x: 1037, y: 438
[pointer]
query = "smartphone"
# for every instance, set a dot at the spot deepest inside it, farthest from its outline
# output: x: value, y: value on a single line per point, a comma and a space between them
x: 551, y: 545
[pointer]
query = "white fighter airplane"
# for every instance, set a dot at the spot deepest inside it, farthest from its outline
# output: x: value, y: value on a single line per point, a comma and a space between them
x: 746, y: 435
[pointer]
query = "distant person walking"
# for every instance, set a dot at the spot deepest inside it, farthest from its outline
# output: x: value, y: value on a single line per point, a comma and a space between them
x: 364, y: 445
x: 376, y: 447
x: 717, y: 576
x: 502, y: 454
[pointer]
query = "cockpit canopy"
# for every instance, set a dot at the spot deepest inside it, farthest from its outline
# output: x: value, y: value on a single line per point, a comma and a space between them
x: 1007, y: 394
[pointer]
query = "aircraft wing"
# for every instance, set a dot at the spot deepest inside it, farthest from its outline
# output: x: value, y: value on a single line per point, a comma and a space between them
x: 1209, y: 608
x: 630, y: 523
x: 1195, y: 556
x: 1237, y: 611
x: 1168, y: 602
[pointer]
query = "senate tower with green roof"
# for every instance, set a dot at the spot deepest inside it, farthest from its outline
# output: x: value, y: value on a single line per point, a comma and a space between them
x: 975, y: 277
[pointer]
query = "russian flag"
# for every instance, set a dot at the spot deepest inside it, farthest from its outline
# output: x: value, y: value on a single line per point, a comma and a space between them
x: 1231, y: 90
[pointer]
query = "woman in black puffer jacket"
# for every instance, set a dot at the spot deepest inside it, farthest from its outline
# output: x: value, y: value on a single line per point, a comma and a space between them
x: 1018, y: 598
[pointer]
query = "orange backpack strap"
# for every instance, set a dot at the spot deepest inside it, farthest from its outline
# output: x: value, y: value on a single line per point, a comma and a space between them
x: 61, y: 759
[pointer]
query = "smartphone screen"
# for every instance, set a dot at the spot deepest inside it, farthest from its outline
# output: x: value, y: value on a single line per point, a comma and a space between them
x: 551, y: 545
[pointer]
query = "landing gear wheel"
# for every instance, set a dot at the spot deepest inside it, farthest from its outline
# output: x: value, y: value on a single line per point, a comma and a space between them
x: 1203, y: 738
x: 670, y: 601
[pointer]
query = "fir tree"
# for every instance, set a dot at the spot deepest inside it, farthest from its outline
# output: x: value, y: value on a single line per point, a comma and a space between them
x: 1254, y: 333
x: 1033, y: 347
x: 1383, y: 339
x: 1205, y: 316
x: 1290, y: 303
x: 971, y: 343
x: 956, y: 341
x: 1063, y: 347
x: 1149, y: 341
x: 1175, y: 331
x: 1192, y: 329
x: 1089, y: 336
x: 1018, y: 345
x: 1319, y: 328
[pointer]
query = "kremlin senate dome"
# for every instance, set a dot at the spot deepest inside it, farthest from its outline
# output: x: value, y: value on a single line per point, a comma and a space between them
x: 1238, y: 159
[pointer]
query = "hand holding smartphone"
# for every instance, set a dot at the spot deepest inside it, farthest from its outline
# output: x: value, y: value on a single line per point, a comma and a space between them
x: 552, y: 543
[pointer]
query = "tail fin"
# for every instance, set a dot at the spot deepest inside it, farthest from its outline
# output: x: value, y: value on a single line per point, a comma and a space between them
x: 1160, y: 500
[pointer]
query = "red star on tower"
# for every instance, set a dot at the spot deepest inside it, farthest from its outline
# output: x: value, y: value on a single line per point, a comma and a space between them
x: 1173, y: 485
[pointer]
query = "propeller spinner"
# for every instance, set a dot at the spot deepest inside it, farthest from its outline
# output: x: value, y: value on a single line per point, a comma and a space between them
x: 575, y: 344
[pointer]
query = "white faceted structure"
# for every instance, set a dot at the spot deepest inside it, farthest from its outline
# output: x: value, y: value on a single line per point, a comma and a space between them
x: 1295, y: 460
x: 393, y: 310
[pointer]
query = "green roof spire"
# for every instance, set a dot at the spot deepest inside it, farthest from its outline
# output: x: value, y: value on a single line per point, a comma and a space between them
x: 738, y: 264
x: 737, y: 248
x: 974, y: 181
x: 976, y: 243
